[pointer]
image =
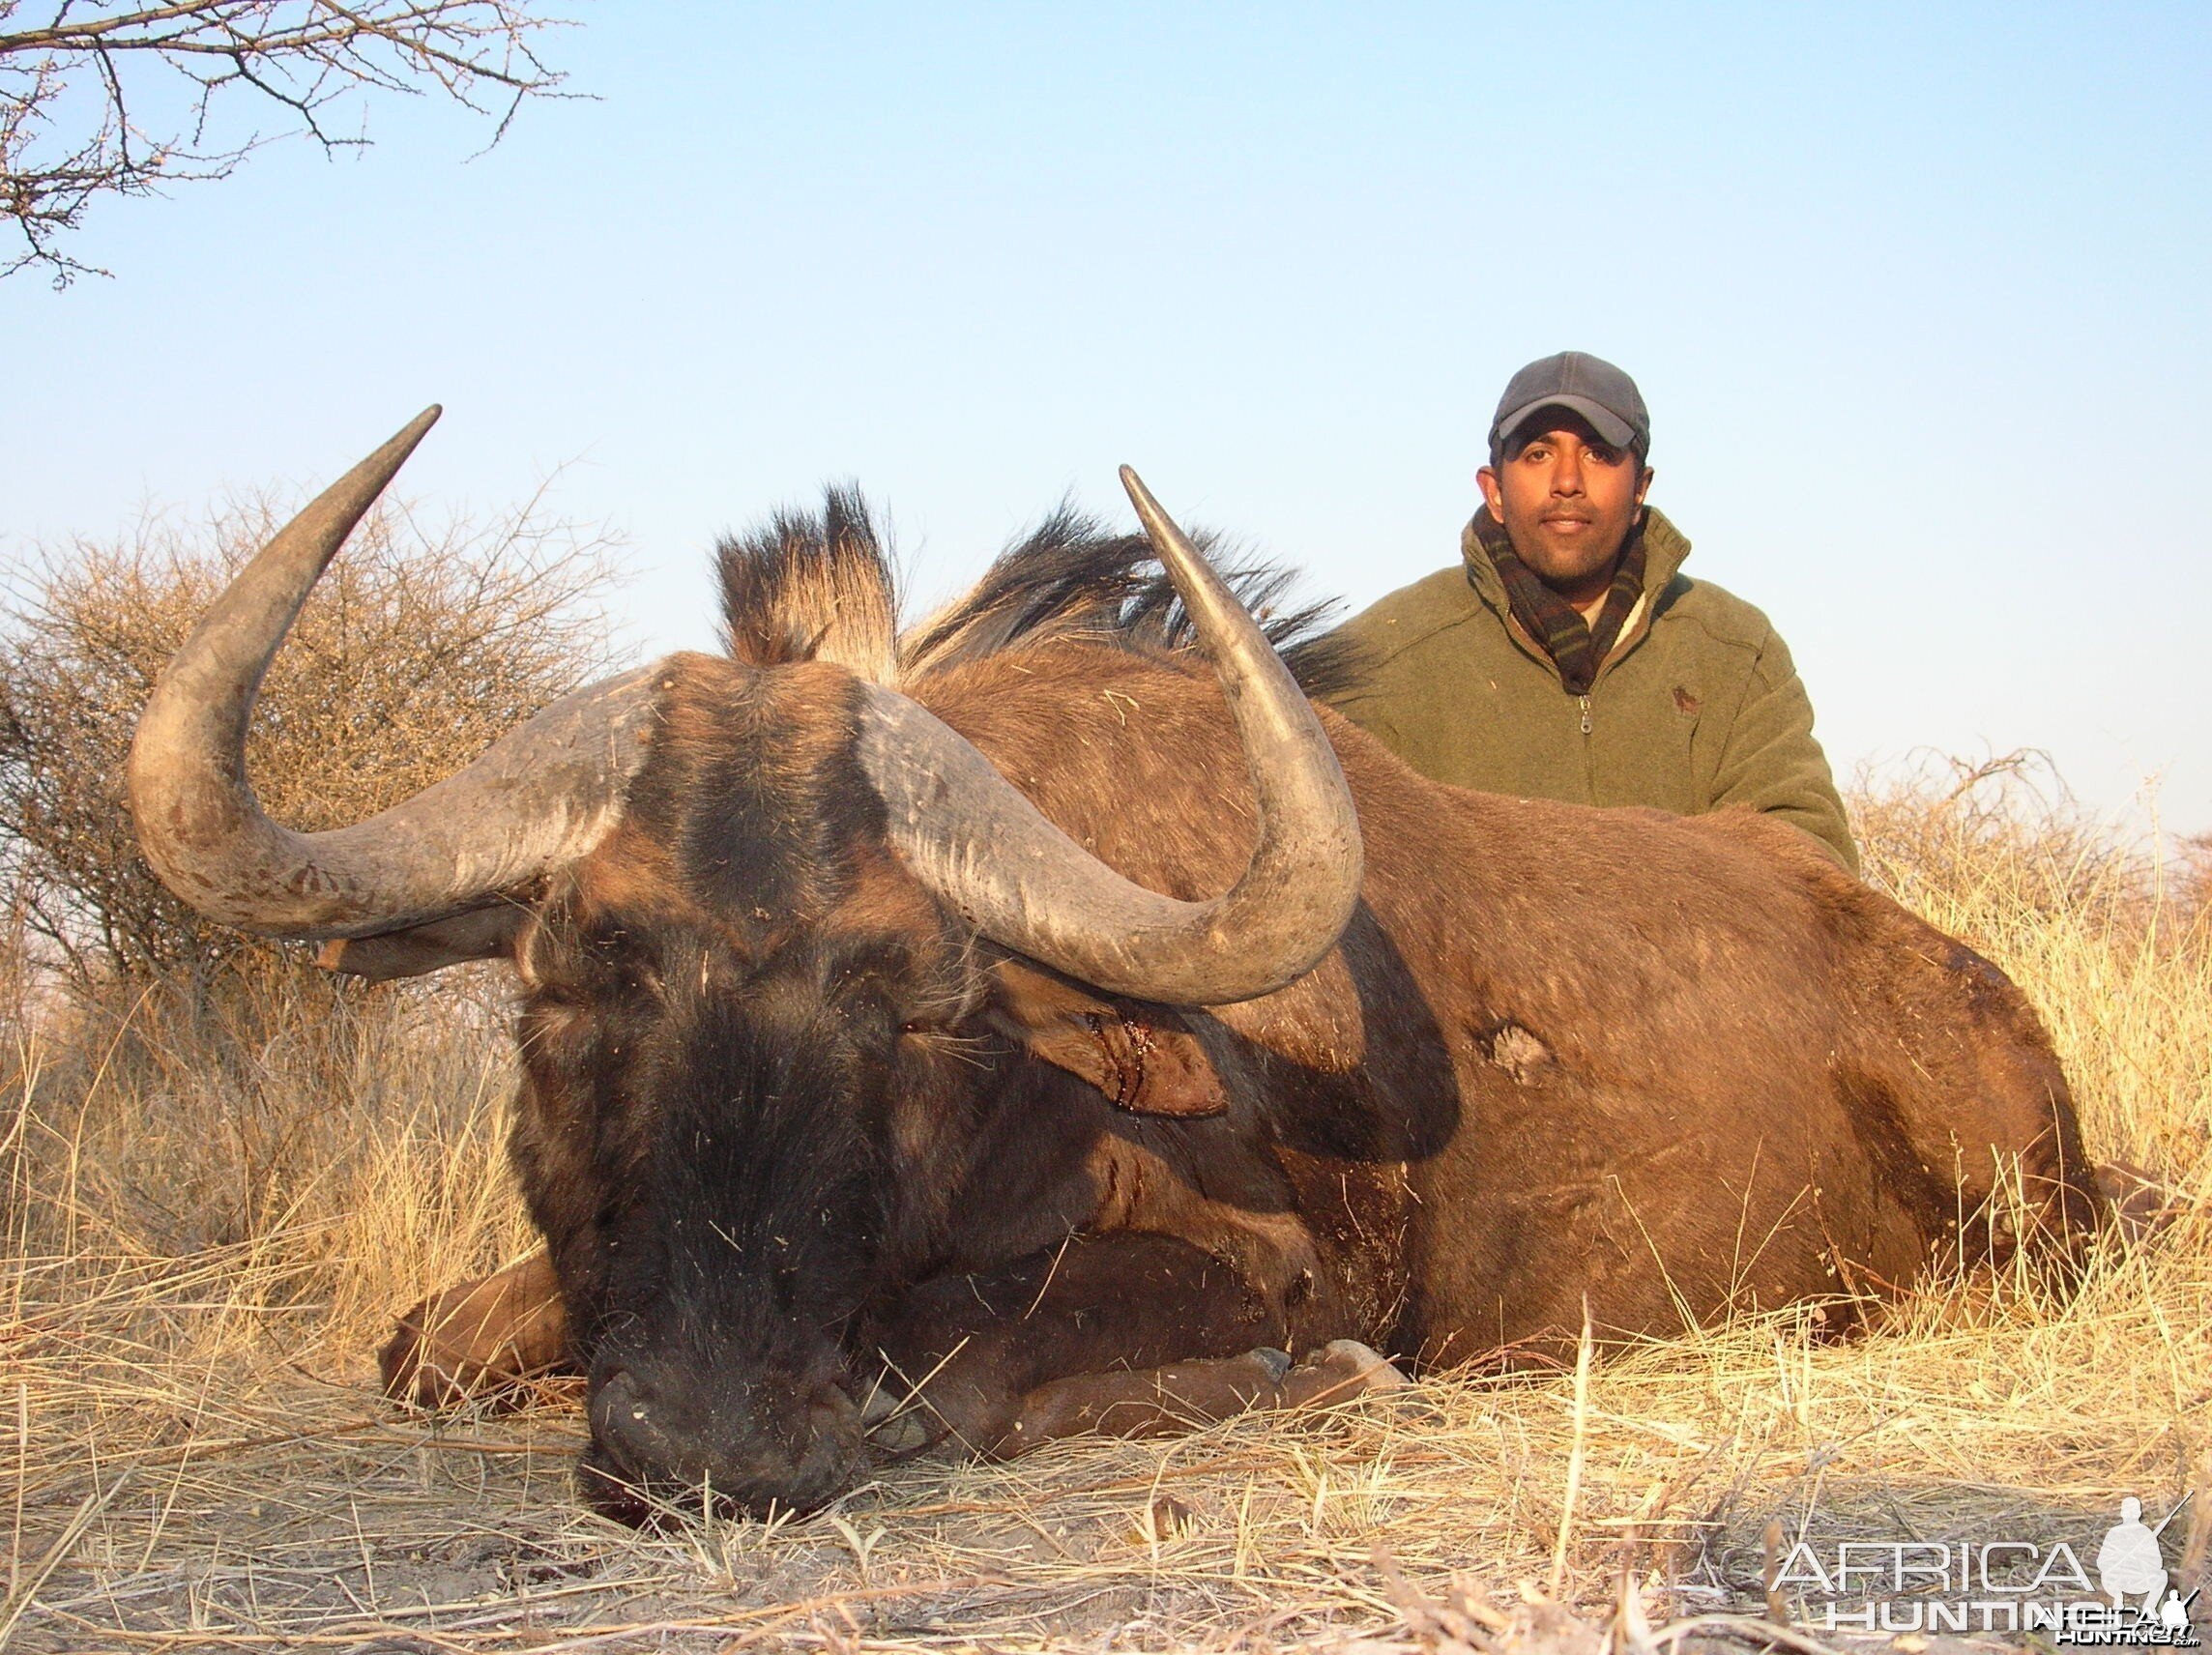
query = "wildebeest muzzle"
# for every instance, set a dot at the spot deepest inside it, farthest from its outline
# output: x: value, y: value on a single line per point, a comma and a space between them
x: 668, y: 1441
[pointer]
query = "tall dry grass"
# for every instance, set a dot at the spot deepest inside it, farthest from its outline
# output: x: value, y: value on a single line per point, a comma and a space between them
x: 211, y: 1211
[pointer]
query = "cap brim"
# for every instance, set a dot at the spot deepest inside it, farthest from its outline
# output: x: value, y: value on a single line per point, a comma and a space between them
x: 1603, y: 420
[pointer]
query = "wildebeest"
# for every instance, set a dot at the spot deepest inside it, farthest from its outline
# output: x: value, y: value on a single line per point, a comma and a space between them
x: 1002, y: 1009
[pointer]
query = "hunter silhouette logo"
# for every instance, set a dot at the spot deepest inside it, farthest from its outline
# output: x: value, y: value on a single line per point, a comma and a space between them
x: 1999, y: 1585
x: 2130, y: 1565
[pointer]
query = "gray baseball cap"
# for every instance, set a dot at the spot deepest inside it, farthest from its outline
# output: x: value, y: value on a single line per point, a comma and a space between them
x: 1589, y: 386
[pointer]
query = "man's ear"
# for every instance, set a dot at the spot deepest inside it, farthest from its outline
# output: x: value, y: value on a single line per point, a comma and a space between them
x: 1142, y: 1056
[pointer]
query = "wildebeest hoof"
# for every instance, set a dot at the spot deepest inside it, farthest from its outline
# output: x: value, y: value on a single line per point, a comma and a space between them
x: 1276, y: 1362
x: 1339, y: 1371
x: 2142, y: 1204
x: 906, y: 1431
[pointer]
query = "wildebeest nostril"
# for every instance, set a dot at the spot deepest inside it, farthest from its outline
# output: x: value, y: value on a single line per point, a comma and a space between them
x: 626, y: 1417
x: 618, y: 1389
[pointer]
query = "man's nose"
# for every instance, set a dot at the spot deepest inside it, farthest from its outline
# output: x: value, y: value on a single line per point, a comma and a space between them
x: 1567, y: 470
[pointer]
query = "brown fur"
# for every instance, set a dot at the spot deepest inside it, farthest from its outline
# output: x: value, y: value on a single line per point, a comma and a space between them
x: 1682, y: 1064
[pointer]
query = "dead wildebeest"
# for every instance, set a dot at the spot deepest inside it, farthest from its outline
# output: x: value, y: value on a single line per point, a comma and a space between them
x: 850, y: 1049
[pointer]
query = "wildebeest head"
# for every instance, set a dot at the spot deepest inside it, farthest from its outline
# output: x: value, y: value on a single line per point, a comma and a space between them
x: 776, y: 925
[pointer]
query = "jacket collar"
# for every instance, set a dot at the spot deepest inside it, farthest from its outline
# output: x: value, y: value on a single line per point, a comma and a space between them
x: 1664, y: 547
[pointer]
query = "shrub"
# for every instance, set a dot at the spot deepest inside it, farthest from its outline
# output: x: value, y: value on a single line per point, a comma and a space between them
x: 422, y: 644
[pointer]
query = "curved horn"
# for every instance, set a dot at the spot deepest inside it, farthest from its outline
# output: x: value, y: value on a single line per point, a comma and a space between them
x: 537, y: 797
x: 971, y: 836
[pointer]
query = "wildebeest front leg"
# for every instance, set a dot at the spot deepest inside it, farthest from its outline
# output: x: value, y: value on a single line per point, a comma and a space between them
x: 1180, y: 1395
x: 1128, y: 1334
x: 479, y: 1341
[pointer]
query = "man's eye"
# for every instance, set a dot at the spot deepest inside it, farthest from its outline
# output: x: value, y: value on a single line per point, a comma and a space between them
x: 1604, y: 456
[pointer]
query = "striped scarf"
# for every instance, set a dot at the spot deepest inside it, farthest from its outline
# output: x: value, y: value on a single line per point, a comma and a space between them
x: 1576, y: 647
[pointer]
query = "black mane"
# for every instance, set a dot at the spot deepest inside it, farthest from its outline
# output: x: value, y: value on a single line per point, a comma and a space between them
x: 818, y: 585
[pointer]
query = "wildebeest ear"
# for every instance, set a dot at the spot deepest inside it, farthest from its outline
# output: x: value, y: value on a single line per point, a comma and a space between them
x: 1144, y: 1057
x: 480, y: 933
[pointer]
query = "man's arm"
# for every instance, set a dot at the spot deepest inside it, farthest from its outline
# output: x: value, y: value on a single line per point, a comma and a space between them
x: 1772, y: 763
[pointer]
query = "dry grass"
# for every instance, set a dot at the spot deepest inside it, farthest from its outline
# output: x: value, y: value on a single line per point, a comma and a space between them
x: 202, y: 1254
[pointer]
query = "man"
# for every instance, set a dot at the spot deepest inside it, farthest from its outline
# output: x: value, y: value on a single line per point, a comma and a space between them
x: 1567, y: 656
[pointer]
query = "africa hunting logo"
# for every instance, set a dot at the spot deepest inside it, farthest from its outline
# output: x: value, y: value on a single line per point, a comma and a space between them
x: 2001, y: 1585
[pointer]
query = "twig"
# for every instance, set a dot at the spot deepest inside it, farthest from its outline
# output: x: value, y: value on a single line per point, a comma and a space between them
x: 1574, y: 1456
x: 1770, y: 1571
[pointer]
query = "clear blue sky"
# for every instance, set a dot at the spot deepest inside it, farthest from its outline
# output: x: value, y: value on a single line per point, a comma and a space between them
x: 1920, y: 297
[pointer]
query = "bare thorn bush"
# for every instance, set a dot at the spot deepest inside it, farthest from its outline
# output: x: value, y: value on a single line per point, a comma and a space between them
x: 425, y: 642
x: 193, y: 1086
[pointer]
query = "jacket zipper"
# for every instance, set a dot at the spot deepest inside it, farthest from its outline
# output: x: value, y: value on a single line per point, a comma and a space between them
x: 1528, y: 646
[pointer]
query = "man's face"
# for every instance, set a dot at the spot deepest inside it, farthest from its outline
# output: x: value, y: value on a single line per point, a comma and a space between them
x: 1568, y: 499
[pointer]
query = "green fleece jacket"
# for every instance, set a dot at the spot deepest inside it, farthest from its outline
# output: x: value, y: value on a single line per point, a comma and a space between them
x: 1698, y: 706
